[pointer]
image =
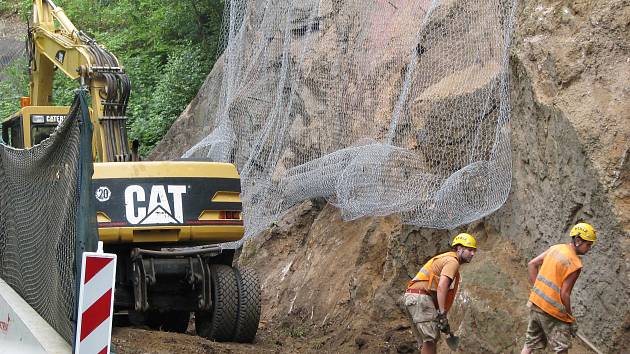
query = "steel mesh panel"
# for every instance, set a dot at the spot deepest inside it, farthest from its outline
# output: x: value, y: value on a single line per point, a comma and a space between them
x: 379, y: 106
x: 39, y: 196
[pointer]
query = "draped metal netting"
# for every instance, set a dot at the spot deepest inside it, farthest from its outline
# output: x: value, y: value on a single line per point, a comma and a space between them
x: 380, y: 106
x: 40, y: 218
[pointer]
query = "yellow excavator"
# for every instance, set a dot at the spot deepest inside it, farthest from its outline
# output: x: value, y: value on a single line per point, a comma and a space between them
x: 166, y: 220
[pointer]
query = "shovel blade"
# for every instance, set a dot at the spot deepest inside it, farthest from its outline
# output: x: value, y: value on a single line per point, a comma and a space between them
x: 452, y: 342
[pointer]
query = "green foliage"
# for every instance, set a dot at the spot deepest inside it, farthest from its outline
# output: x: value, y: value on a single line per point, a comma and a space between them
x: 297, y: 331
x: 181, y: 78
x: 167, y: 48
x: 13, y: 85
x: 11, y: 7
x: 63, y: 90
x: 7, y: 7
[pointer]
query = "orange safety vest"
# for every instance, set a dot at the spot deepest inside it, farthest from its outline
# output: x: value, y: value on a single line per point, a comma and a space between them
x: 559, y: 262
x: 432, y: 279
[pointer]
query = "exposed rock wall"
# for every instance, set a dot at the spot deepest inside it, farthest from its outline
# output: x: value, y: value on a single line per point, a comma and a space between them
x: 571, y: 134
x: 335, y: 284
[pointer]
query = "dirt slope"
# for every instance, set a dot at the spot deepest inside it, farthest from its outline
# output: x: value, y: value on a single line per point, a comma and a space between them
x: 331, y: 286
x: 338, y: 294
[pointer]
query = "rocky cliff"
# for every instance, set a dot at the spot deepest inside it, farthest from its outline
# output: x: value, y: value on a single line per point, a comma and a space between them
x: 332, y: 285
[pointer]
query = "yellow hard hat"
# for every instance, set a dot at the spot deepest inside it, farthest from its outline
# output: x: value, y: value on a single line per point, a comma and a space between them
x: 584, y: 231
x: 465, y: 240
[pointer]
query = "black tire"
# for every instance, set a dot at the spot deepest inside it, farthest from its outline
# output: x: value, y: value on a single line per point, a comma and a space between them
x: 169, y: 321
x: 248, y: 315
x: 219, y: 323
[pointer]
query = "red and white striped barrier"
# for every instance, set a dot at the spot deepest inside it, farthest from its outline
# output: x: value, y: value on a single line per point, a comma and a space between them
x: 96, y: 303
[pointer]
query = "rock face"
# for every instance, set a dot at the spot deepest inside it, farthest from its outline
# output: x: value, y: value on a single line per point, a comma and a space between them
x: 571, y: 135
x: 335, y: 284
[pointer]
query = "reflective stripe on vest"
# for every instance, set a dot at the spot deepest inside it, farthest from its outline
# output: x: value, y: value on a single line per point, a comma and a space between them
x: 432, y: 280
x: 559, y: 262
x: 425, y: 272
x: 541, y: 293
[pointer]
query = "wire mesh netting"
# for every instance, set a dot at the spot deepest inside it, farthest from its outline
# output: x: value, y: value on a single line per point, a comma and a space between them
x: 12, y: 66
x: 10, y: 50
x: 381, y: 106
x: 39, y: 198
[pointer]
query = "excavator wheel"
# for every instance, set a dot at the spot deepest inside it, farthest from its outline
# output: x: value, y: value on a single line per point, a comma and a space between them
x: 248, y: 314
x: 218, y: 324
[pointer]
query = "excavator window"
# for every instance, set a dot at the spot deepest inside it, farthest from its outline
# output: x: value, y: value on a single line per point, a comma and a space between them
x: 42, y: 125
x: 12, y: 132
x: 41, y: 132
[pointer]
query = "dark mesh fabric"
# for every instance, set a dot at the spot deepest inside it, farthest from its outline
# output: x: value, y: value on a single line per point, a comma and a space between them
x: 39, y: 204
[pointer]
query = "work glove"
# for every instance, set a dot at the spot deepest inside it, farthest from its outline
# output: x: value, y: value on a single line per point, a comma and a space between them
x: 442, y: 322
x: 574, y: 328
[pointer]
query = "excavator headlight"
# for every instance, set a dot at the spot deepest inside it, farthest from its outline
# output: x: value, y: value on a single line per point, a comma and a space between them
x: 38, y: 119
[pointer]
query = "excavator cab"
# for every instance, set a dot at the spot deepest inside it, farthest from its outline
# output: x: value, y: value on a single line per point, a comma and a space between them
x: 12, y: 132
x: 32, y: 125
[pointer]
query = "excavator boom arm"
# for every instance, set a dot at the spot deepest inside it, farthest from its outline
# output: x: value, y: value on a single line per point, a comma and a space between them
x: 56, y: 43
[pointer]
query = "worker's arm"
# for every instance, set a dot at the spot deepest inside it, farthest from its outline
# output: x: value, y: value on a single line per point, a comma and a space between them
x: 442, y: 291
x: 534, y: 265
x: 567, y: 287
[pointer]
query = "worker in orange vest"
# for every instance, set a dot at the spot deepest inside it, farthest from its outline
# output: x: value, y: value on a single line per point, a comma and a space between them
x: 553, y: 274
x: 431, y: 292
